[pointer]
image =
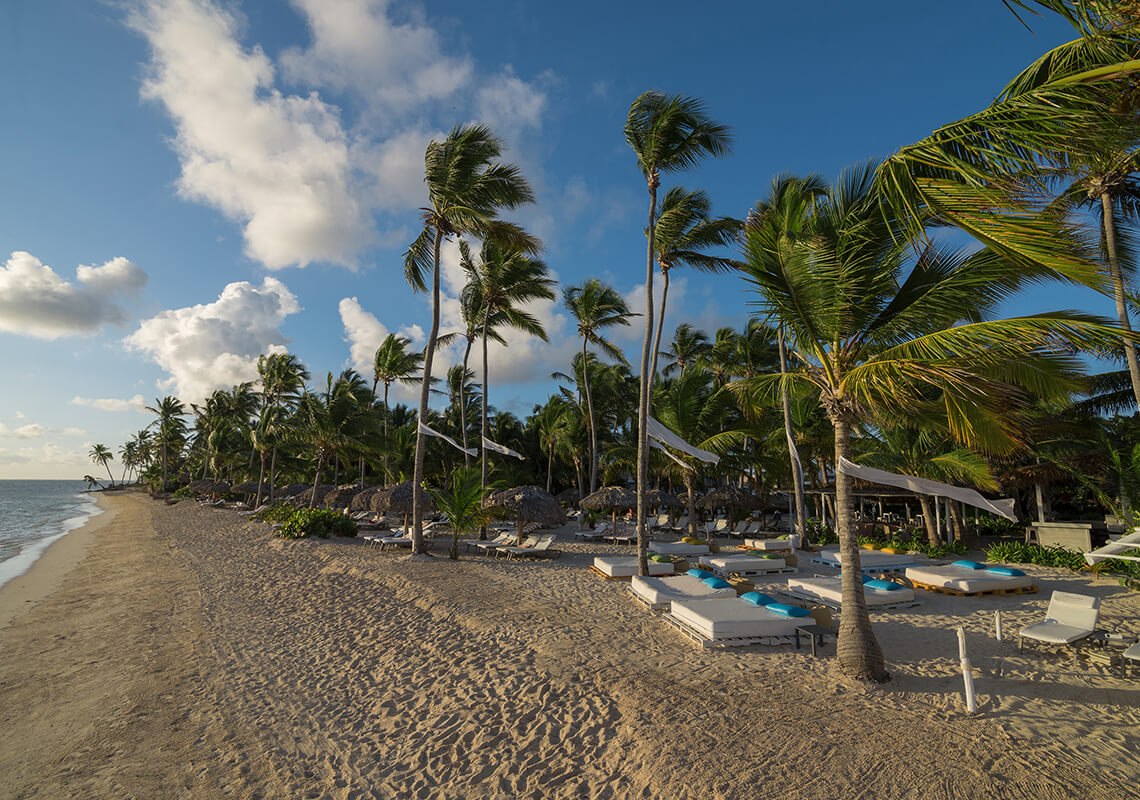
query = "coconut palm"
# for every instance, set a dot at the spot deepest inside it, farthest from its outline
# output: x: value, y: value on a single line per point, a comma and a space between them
x: 689, y: 344
x: 101, y: 454
x: 461, y: 503
x: 551, y: 422
x: 467, y: 188
x: 504, y: 279
x: 595, y: 307
x: 392, y: 363
x: 683, y: 232
x: 329, y: 422
x: 171, y: 428
x: 877, y: 319
x: 128, y: 455
x: 283, y: 378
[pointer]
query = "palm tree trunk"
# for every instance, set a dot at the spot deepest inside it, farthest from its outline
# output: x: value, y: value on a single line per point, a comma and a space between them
x: 1118, y: 292
x: 660, y: 323
x: 797, y: 468
x: 646, y: 389
x: 463, y: 401
x: 691, y: 501
x: 928, y: 519
x: 260, y: 481
x: 549, y: 469
x: 590, y: 421
x: 386, y: 385
x: 858, y: 652
x: 483, y: 426
x: 429, y: 354
x: 272, y: 473
x: 109, y: 475
x: 959, y: 525
x: 317, y: 481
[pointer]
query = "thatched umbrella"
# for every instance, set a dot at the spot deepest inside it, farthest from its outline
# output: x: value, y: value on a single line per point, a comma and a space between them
x: 397, y: 499
x: 530, y: 504
x: 362, y: 500
x: 612, y: 498
x: 200, y: 485
x: 568, y: 496
x: 249, y: 487
x: 309, y: 497
x: 341, y: 497
x: 292, y: 490
x: 731, y: 497
x: 656, y: 498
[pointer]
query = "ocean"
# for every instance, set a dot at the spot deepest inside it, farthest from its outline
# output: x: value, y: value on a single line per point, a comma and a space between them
x: 33, y: 514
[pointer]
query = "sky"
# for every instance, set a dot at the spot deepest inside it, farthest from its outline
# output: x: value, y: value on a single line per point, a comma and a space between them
x: 190, y: 183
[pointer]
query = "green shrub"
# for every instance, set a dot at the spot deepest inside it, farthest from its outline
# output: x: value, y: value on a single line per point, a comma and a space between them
x: 184, y: 492
x: 999, y: 526
x: 278, y: 512
x: 319, y: 522
x: 818, y: 533
x: 1021, y: 553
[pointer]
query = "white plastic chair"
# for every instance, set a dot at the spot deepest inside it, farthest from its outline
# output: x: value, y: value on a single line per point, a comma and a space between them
x: 1070, y: 618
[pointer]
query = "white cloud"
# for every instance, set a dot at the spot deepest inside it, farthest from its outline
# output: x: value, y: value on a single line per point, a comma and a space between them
x: 136, y: 403
x: 393, y: 65
x: 216, y: 345
x: 35, y: 301
x: 511, y: 103
x: 364, y: 333
x: 278, y: 163
x: 32, y: 431
x: 46, y: 455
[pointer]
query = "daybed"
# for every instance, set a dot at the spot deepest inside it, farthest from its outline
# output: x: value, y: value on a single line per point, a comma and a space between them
x: 970, y: 577
x: 879, y: 595
x: 657, y: 593
x: 626, y: 567
x: 752, y: 618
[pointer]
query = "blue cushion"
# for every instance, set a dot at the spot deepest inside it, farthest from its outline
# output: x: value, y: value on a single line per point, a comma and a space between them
x: 886, y: 585
x: 1007, y: 571
x: 757, y: 598
x: 700, y: 573
x: 785, y: 610
x: 967, y: 564
x: 716, y: 583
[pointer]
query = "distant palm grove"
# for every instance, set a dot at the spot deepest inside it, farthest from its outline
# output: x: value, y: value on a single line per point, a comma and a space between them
x: 870, y: 338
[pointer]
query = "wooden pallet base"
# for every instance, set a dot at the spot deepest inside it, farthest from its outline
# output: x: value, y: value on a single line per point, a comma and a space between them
x: 742, y: 641
x: 606, y: 577
x: 987, y: 593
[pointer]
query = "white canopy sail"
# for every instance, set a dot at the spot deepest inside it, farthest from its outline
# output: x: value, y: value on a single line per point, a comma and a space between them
x: 425, y: 429
x: 1003, y: 508
x: 498, y: 448
x: 662, y: 434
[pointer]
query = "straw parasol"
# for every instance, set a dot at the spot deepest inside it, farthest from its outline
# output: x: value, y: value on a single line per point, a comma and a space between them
x: 612, y: 498
x: 570, y: 495
x: 656, y: 498
x: 291, y: 490
x: 362, y: 500
x: 249, y: 487
x: 200, y: 485
x: 306, y: 497
x: 530, y: 504
x: 340, y: 497
x: 397, y: 499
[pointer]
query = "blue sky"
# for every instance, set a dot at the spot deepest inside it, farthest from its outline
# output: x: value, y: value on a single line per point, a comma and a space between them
x: 189, y: 182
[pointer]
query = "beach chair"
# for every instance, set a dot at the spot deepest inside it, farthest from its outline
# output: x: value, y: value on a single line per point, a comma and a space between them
x: 624, y: 535
x: 542, y: 548
x: 661, y: 522
x: 1116, y: 549
x: 602, y: 530
x: 502, y: 540
x: 1070, y: 618
x: 742, y: 527
x: 1131, y: 655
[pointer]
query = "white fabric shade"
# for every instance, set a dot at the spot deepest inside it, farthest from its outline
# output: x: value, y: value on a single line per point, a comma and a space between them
x: 665, y: 450
x: 1003, y: 508
x: 498, y: 448
x: 662, y: 434
x: 430, y: 432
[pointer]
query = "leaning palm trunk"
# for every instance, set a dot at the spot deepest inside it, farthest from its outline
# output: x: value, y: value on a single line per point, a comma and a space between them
x: 797, y: 469
x: 1118, y: 293
x: 660, y: 325
x: 317, y: 481
x: 646, y: 389
x: 429, y: 354
x: 260, y: 482
x: 483, y: 426
x: 858, y: 652
x: 928, y: 518
x: 549, y: 469
x: 590, y: 420
x: 691, y: 501
x: 463, y: 402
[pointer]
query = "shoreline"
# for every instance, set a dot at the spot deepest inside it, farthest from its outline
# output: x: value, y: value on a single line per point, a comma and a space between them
x: 66, y: 551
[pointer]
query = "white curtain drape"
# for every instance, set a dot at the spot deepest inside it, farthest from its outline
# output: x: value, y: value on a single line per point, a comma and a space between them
x: 1003, y: 508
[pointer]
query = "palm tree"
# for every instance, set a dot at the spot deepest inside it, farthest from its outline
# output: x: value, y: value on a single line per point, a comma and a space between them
x: 283, y: 378
x: 667, y: 134
x: 461, y: 504
x: 551, y: 422
x: 684, y: 230
x: 504, y: 279
x: 874, y: 342
x: 329, y: 422
x: 129, y: 455
x: 171, y: 427
x: 394, y: 364
x: 688, y: 345
x: 101, y: 454
x: 467, y: 187
x: 595, y: 307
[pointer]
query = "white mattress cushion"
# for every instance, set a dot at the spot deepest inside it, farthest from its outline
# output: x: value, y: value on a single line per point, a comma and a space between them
x: 742, y: 564
x: 678, y: 548
x: 660, y: 591
x: 966, y: 580
x: 731, y: 617
x: 1055, y: 632
x: 870, y: 558
x: 831, y: 590
x: 769, y: 544
x: 625, y: 566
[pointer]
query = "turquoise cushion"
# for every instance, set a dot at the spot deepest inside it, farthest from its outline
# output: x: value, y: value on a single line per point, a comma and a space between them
x: 757, y: 598
x: 700, y: 573
x: 716, y: 583
x: 886, y: 585
x: 785, y: 610
x: 1009, y: 572
x: 967, y: 565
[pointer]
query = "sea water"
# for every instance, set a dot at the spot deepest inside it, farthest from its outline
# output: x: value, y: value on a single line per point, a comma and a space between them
x: 33, y: 514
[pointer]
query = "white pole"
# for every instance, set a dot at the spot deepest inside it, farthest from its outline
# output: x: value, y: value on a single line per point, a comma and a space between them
x: 997, y: 624
x: 967, y: 676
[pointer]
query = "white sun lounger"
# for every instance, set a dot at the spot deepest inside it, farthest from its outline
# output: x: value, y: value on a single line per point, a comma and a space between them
x: 657, y: 593
x: 1070, y: 618
x: 829, y: 592
x: 870, y: 561
x: 768, y: 544
x: 732, y: 622
x: 745, y: 565
x: 678, y: 548
x: 626, y: 567
x: 1114, y: 549
x: 955, y: 579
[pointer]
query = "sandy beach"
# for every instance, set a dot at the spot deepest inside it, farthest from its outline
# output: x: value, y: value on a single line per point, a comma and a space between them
x: 181, y: 652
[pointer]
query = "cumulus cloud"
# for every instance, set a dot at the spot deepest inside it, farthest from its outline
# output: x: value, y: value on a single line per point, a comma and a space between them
x: 136, y: 403
x: 216, y: 345
x: 35, y: 301
x: 33, y: 431
x: 364, y: 334
x: 46, y: 454
x: 277, y: 163
x: 511, y: 102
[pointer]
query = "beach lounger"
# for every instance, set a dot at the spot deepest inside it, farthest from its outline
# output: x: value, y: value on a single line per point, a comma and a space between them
x: 768, y: 544
x: 828, y: 592
x: 492, y: 548
x: 1070, y: 618
x: 1132, y: 654
x: 502, y: 540
x: 624, y: 536
x: 752, y: 618
x: 678, y: 548
x: 601, y: 531
x: 617, y: 567
x: 542, y: 548
x: 714, y: 526
x: 970, y: 578
x: 657, y: 593
x: 745, y: 566
x: 870, y: 561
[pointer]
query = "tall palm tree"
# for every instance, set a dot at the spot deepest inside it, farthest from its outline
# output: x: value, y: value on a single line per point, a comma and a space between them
x: 129, y: 455
x: 467, y: 188
x: 688, y: 345
x: 551, y: 421
x: 667, y: 134
x: 683, y: 232
x: 283, y: 378
x: 504, y: 279
x: 392, y: 363
x: 876, y: 329
x: 102, y: 455
x: 330, y: 421
x: 595, y: 307
x: 171, y: 428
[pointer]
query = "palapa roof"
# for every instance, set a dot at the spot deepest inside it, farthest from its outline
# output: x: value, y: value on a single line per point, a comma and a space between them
x: 397, y: 499
x: 200, y: 485
x: 304, y: 497
x: 249, y: 487
x: 340, y: 497
x: 530, y: 503
x: 291, y: 490
x: 362, y: 500
x: 610, y: 497
x: 570, y: 495
x: 655, y: 498
x: 731, y: 497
